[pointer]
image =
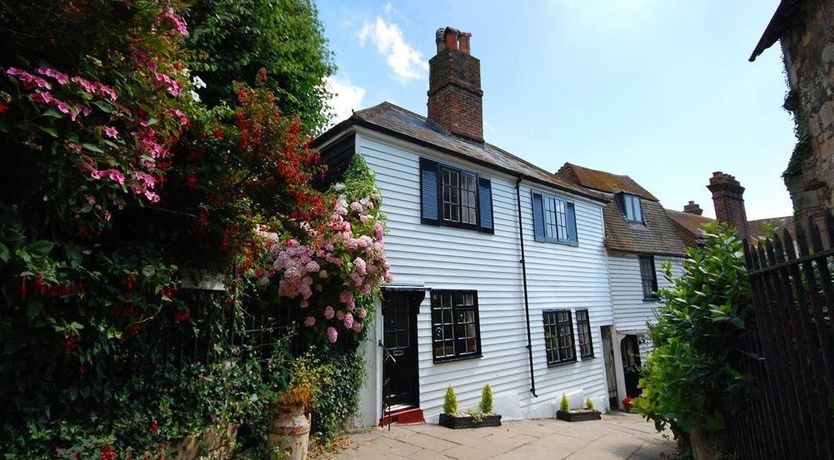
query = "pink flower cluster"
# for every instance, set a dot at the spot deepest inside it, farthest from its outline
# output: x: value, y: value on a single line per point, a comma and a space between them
x: 174, y: 87
x: 60, y: 77
x: 95, y: 88
x: 28, y: 80
x: 297, y: 264
x: 46, y: 97
x: 175, y: 19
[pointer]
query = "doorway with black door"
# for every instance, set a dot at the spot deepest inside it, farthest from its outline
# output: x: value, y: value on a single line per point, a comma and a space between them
x: 630, y: 348
x: 400, y: 385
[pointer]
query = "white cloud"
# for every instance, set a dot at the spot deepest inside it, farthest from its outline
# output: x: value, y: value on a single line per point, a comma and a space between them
x: 345, y: 97
x: 406, y: 62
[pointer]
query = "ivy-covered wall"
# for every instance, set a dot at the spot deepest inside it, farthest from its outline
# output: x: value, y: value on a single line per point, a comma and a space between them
x: 808, y: 48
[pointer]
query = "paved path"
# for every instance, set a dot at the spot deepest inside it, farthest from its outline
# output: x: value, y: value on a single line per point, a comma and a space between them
x: 616, y: 436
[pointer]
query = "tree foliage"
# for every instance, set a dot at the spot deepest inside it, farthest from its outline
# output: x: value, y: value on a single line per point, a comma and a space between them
x: 232, y: 39
x: 690, y: 380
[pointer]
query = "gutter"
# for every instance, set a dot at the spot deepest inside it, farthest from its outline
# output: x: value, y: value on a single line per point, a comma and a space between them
x: 524, y: 279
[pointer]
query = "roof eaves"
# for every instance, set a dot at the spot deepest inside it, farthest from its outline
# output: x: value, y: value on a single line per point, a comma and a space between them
x: 373, y: 126
x: 776, y: 27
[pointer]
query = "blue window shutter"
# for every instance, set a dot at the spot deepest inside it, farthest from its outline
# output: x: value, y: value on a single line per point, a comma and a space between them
x: 428, y: 190
x: 538, y: 217
x: 571, y: 215
x: 485, y: 204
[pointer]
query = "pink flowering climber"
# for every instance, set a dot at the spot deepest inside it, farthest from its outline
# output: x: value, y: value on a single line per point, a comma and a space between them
x: 111, y: 132
x: 357, y: 327
x: 329, y: 312
x: 348, y: 321
x: 340, y: 315
x: 332, y: 334
x: 309, y: 321
x: 361, y: 313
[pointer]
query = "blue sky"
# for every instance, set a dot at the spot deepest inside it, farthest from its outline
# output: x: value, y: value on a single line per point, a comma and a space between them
x: 660, y: 90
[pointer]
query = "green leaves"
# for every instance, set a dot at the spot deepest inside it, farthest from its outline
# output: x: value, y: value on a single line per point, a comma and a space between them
x: 689, y: 380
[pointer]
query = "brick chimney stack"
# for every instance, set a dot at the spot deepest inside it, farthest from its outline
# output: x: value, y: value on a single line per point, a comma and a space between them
x: 693, y: 208
x: 455, y: 96
x: 727, y: 195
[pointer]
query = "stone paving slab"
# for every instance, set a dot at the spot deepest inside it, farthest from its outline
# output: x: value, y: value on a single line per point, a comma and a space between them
x: 616, y: 436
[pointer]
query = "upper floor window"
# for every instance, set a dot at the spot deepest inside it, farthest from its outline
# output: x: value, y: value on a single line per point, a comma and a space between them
x: 455, y: 326
x: 648, y: 276
x: 459, y: 196
x: 454, y: 197
x: 632, y: 208
x: 558, y: 337
x: 554, y: 219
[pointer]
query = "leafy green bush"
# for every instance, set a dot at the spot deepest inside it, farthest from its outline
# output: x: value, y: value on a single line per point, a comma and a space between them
x: 342, y: 376
x: 689, y: 380
x: 564, y: 405
x: 486, y: 400
x: 589, y: 403
x: 450, y: 402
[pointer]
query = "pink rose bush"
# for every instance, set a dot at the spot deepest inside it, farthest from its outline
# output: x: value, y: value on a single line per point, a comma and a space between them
x: 333, y: 270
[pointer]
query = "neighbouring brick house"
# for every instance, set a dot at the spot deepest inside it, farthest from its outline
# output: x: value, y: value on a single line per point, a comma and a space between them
x: 728, y: 200
x: 806, y: 31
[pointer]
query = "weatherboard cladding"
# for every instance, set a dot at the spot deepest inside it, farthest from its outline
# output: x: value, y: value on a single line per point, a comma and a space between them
x: 438, y: 257
x: 631, y: 311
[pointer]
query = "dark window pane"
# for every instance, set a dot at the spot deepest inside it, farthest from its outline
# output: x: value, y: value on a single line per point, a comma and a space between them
x: 454, y: 324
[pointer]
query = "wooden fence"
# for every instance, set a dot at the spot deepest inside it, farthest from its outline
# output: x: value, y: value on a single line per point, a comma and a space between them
x: 790, y: 349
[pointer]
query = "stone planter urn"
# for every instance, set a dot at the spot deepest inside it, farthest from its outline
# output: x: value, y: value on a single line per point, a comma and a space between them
x: 289, y: 431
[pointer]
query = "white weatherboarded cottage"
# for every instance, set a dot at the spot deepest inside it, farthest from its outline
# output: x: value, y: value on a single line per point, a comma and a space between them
x: 640, y: 238
x: 500, y: 268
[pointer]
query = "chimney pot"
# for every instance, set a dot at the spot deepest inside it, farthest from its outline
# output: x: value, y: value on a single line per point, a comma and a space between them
x: 451, y: 38
x: 463, y: 40
x: 693, y: 208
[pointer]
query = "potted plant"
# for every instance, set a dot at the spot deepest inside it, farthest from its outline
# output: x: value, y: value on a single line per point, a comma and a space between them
x: 628, y: 403
x: 470, y: 418
x: 577, y: 415
x: 289, y: 433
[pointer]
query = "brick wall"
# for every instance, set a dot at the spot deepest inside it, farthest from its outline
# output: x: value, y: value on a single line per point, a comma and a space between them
x: 808, y: 47
x: 455, y: 96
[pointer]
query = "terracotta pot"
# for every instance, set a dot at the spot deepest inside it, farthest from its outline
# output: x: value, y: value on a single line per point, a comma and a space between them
x: 290, y: 432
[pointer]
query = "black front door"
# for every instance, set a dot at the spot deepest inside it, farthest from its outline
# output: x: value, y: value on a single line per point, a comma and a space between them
x: 399, y: 370
x: 631, y: 365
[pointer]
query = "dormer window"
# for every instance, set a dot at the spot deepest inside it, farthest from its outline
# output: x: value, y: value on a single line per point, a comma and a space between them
x: 632, y: 209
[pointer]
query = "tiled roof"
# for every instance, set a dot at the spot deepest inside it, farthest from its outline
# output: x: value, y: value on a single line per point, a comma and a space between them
x: 603, y: 181
x: 656, y: 236
x: 765, y: 227
x: 399, y: 122
x: 688, y: 225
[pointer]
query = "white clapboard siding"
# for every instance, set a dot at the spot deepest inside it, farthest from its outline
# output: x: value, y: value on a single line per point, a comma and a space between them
x: 631, y: 312
x: 559, y: 276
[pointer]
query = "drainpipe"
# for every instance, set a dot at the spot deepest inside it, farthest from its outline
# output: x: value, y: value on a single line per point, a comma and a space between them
x: 524, y: 279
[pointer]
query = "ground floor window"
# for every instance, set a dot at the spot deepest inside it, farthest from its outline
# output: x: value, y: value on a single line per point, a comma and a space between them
x: 558, y: 337
x: 583, y: 326
x: 456, y: 332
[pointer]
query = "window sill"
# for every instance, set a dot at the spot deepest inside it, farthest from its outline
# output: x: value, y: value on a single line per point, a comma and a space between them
x: 441, y: 223
x: 588, y: 358
x: 456, y: 358
x: 561, y: 363
x: 574, y: 244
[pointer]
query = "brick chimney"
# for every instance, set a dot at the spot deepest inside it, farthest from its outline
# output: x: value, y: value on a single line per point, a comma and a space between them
x: 693, y: 208
x: 455, y: 96
x: 729, y: 204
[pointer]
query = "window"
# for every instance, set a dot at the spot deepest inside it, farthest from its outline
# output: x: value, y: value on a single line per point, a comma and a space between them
x: 583, y: 326
x: 459, y: 197
x: 455, y: 330
x: 632, y: 208
x: 453, y: 197
x: 558, y: 337
x: 648, y: 277
x: 554, y: 219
